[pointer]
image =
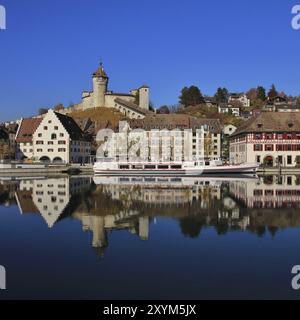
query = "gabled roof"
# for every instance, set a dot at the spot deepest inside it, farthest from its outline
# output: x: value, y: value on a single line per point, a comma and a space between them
x: 71, y: 126
x: 132, y: 106
x: 271, y: 122
x: 27, y: 129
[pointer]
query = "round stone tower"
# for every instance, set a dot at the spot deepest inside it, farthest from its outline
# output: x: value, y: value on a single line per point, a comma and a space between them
x: 100, y: 82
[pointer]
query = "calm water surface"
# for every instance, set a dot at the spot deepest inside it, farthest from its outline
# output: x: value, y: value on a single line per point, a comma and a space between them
x: 119, y: 238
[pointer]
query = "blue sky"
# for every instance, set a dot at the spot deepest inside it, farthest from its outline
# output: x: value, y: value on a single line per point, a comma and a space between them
x: 51, y: 48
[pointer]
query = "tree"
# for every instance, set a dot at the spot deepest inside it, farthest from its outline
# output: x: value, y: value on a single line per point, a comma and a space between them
x: 272, y: 94
x: 252, y: 94
x: 59, y: 107
x: 42, y: 111
x: 261, y: 93
x: 221, y: 95
x: 191, y: 96
x: 163, y: 110
x: 151, y: 106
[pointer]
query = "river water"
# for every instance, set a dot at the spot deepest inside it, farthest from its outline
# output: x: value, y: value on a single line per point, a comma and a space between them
x: 150, y: 238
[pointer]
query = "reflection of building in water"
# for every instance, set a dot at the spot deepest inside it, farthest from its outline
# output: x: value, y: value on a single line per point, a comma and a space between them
x: 158, y: 191
x: 7, y: 192
x: 268, y: 192
x: 101, y: 226
x: 49, y: 197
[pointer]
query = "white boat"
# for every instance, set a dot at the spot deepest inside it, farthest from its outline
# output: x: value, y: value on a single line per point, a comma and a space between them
x: 111, y: 167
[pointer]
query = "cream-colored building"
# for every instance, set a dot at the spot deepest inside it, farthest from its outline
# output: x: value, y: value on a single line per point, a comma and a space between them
x: 49, y: 197
x: 134, y: 105
x: 53, y: 138
x: 157, y: 138
x: 239, y: 97
x: 271, y: 139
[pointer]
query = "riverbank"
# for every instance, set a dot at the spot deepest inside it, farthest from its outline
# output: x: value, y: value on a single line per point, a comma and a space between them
x: 32, y: 170
x: 28, y: 170
x: 278, y: 171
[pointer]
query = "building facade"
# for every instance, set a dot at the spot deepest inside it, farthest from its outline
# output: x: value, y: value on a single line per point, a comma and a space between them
x: 165, y: 138
x: 271, y: 139
x: 55, y: 138
x: 239, y: 97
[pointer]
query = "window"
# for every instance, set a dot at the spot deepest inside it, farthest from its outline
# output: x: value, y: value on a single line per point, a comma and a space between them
x: 39, y: 150
x: 124, y: 167
x: 50, y: 121
x: 269, y: 136
x: 61, y: 134
x: 45, y: 128
x: 289, y: 159
x: 149, y: 167
x: 61, y: 142
x: 280, y: 160
x: 269, y: 147
x: 39, y: 135
x: 61, y: 150
x: 40, y: 142
x: 50, y: 142
x: 176, y: 167
x: 163, y: 167
x: 258, y: 159
x: 258, y: 147
x: 53, y: 136
x: 257, y: 192
x: 50, y: 150
x: 55, y: 127
x: 258, y: 136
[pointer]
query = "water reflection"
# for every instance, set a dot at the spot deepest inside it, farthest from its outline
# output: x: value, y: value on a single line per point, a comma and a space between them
x: 107, y: 204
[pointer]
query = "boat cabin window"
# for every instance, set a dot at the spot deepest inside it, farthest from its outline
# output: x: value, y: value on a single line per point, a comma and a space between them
x: 176, y: 166
x: 124, y: 166
x: 137, y: 167
x: 163, y: 167
x: 149, y: 167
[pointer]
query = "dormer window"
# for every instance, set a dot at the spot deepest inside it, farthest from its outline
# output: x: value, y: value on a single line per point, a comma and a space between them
x: 259, y: 125
x: 290, y: 125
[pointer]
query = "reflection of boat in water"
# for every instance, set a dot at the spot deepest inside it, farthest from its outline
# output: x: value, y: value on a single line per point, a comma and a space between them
x: 108, y: 166
x: 171, y: 181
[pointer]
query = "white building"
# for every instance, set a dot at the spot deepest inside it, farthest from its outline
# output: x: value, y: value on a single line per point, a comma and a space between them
x: 227, y: 108
x: 271, y: 138
x: 165, y: 138
x: 49, y: 197
x: 240, y: 97
x: 55, y: 138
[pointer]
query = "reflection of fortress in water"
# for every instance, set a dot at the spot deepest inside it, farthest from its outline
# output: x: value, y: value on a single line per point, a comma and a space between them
x: 103, y: 205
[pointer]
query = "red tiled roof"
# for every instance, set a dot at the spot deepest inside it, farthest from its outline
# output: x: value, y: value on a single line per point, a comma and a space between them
x: 174, y: 121
x: 271, y: 122
x: 27, y: 129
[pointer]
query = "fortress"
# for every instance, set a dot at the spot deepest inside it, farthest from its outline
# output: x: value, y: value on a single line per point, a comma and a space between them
x: 134, y: 105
